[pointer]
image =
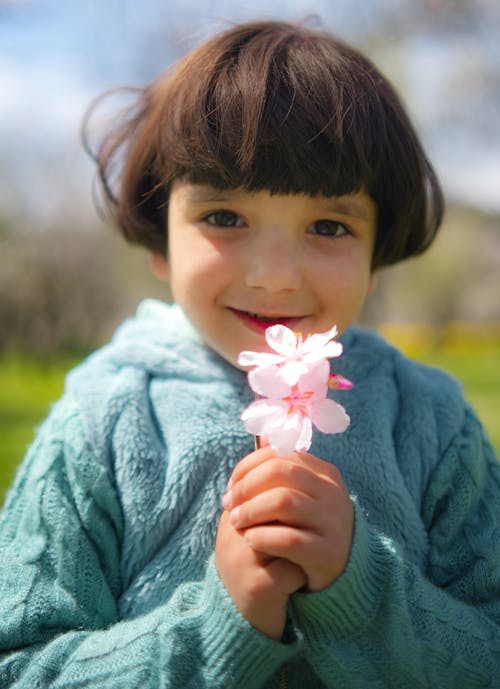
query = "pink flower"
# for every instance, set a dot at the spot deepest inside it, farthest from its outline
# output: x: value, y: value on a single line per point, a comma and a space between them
x: 293, y: 355
x: 292, y: 388
x: 286, y: 413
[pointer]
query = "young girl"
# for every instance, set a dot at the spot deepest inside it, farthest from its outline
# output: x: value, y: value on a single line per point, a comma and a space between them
x: 145, y: 543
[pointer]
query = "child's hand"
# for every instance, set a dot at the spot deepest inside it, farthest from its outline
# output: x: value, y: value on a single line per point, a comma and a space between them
x: 259, y: 585
x: 295, y: 507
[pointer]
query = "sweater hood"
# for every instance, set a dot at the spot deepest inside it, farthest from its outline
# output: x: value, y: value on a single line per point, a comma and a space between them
x: 161, y: 341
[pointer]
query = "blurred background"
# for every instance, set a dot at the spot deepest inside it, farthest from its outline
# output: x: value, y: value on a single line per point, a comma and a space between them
x: 67, y: 280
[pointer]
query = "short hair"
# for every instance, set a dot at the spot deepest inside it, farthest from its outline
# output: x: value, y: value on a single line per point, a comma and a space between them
x: 272, y: 106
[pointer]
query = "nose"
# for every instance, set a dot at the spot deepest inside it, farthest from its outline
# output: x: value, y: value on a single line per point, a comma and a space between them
x: 274, y: 263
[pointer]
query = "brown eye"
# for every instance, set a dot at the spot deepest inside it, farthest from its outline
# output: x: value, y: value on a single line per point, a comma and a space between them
x: 329, y: 228
x: 223, y: 219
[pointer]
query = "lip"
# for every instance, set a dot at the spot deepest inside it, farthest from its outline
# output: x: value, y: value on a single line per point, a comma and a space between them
x: 259, y: 326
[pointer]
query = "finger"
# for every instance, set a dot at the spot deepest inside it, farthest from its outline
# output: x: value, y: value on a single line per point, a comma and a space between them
x: 287, y: 575
x: 276, y: 472
x: 282, y: 505
x: 254, y: 459
x: 262, y: 559
x: 251, y: 460
x: 322, y: 559
x: 231, y: 540
x: 283, y: 541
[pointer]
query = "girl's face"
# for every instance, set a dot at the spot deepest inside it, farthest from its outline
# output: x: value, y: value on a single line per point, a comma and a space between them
x: 239, y: 262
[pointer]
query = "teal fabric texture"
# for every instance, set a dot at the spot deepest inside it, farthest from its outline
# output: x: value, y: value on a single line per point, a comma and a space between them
x: 107, y: 573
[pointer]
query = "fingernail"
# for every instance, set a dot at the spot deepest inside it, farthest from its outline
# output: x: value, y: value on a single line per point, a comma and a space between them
x: 227, y: 499
x: 235, y: 516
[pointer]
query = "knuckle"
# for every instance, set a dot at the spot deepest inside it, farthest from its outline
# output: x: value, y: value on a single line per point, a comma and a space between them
x: 289, y: 470
x: 285, y: 500
x: 282, y: 472
x: 273, y: 467
x: 292, y: 540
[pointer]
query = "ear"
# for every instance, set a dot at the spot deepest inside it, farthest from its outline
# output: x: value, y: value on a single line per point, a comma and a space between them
x: 159, y: 266
x: 372, y: 285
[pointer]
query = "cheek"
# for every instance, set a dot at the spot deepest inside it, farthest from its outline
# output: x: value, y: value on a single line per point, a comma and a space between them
x: 342, y: 277
x: 344, y: 286
x: 196, y: 270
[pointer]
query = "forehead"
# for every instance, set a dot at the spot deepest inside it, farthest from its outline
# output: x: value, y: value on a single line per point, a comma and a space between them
x: 357, y: 205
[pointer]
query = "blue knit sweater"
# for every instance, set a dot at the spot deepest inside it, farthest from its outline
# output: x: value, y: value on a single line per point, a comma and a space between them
x: 107, y: 576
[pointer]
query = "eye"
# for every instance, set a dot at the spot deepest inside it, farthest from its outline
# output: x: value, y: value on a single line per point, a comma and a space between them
x: 328, y: 228
x: 223, y: 219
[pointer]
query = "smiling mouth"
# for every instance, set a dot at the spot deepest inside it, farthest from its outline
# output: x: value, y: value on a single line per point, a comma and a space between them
x: 260, y: 322
x: 267, y: 319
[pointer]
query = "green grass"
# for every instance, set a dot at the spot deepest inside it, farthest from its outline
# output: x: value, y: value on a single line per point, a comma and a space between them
x: 27, y: 388
x: 480, y: 375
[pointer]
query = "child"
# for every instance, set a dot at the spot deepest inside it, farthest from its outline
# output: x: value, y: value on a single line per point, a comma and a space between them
x: 270, y: 173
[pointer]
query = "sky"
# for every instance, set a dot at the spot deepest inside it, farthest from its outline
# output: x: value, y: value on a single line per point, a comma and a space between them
x: 56, y: 55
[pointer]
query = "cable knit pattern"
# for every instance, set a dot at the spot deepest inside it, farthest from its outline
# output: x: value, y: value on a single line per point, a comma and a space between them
x: 107, y: 576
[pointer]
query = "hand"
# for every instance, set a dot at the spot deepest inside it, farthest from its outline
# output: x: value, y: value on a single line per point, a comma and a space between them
x: 295, y: 507
x: 258, y: 584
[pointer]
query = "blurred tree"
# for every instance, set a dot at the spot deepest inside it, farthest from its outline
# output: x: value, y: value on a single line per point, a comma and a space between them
x: 456, y: 280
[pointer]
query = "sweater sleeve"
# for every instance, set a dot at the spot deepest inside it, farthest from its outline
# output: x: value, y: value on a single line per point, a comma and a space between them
x: 60, y: 583
x: 384, y: 623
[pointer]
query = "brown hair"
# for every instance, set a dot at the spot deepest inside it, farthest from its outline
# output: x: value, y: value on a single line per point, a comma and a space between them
x: 275, y: 106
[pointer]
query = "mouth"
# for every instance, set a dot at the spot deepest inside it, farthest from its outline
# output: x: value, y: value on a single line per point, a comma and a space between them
x: 259, y: 322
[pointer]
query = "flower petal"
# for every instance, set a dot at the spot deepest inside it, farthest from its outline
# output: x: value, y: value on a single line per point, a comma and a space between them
x: 282, y: 340
x: 304, y: 441
x: 290, y: 434
x: 329, y: 416
x: 332, y: 349
x: 268, y: 382
x: 316, y: 378
x: 261, y: 359
x: 318, y: 340
x: 262, y: 414
x: 283, y: 442
x: 291, y: 371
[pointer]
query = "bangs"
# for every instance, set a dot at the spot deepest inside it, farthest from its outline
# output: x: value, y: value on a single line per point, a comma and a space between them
x: 272, y: 116
x: 314, y: 166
